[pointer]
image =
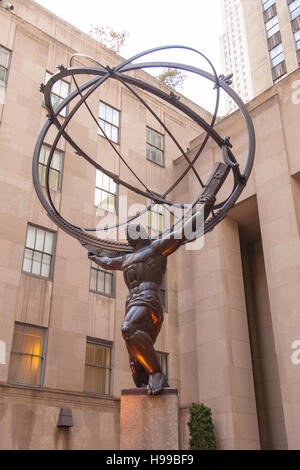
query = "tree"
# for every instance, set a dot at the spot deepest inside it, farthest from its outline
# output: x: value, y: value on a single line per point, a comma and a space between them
x: 173, y: 78
x: 201, y: 428
x: 108, y: 37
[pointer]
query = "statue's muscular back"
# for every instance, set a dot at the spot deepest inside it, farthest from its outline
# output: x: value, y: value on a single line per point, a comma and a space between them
x: 144, y: 265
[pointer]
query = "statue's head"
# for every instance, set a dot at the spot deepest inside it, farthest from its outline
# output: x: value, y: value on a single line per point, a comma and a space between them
x: 137, y: 236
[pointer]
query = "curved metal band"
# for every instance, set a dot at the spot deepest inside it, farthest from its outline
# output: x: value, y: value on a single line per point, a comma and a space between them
x: 120, y: 73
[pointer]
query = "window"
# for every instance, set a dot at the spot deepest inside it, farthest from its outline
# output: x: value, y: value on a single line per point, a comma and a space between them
x: 267, y: 4
x: 277, y: 55
x: 98, y: 366
x: 163, y: 359
x: 27, y: 355
x: 60, y: 91
x: 297, y: 39
x: 294, y: 8
x: 105, y: 192
x: 155, y: 216
x: 38, y: 252
x: 155, y: 147
x: 4, y: 65
x: 163, y: 292
x: 279, y: 70
x: 102, y: 281
x: 109, y: 120
x: 272, y: 26
x: 55, y: 167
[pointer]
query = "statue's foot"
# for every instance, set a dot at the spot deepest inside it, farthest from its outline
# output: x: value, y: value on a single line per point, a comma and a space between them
x: 157, y: 382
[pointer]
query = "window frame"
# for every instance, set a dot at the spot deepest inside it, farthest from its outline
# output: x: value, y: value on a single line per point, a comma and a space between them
x: 8, y: 67
x: 110, y: 345
x: 163, y: 292
x: 166, y: 355
x: 65, y: 111
x: 277, y: 55
x: 42, y: 357
x: 297, y: 41
x: 163, y: 164
x: 116, y: 194
x: 292, y: 11
x: 100, y: 133
x: 272, y: 24
x: 106, y: 272
x: 51, y: 269
x: 62, y: 153
x: 152, y: 211
x: 269, y: 3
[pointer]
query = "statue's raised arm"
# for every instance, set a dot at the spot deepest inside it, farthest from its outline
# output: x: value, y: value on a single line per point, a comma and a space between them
x: 106, y: 262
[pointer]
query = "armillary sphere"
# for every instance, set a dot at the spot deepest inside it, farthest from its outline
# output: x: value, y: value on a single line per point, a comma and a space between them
x: 78, y: 98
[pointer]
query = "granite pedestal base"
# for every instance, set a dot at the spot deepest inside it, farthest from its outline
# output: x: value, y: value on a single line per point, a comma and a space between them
x: 149, y: 422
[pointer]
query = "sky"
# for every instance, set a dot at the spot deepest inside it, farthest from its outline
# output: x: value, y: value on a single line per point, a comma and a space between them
x: 193, y: 23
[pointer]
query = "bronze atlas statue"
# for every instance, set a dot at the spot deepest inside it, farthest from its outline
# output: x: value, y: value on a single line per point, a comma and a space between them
x: 142, y: 259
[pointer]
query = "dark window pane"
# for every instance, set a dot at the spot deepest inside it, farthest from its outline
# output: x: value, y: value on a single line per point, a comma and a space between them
x: 97, y: 368
x: 3, y: 73
x: 24, y: 371
x: 54, y: 180
x: 37, y: 259
x: 96, y: 385
x: 107, y: 354
x: 93, y: 280
x: 42, y: 174
x: 28, y: 343
x: 105, y: 381
x: 27, y: 263
x: 109, y: 122
x: 88, y: 378
x: 90, y: 353
x: 100, y: 281
x: 108, y: 284
x: 35, y: 372
x: 99, y: 353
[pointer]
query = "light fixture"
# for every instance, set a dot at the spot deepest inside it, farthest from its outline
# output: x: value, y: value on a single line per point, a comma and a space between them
x: 65, y: 419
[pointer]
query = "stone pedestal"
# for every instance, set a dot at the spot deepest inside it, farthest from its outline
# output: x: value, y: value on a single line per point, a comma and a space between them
x: 149, y: 422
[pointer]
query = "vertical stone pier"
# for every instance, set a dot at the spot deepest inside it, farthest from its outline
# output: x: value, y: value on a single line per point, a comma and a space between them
x: 149, y: 422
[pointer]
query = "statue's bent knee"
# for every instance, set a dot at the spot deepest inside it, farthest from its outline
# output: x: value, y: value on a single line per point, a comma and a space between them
x: 127, y: 330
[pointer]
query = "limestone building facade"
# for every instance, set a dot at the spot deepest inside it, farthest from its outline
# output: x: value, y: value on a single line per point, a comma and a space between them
x: 273, y: 36
x: 231, y: 336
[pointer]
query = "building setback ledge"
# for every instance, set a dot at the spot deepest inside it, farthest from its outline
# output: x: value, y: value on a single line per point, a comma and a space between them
x: 59, y: 398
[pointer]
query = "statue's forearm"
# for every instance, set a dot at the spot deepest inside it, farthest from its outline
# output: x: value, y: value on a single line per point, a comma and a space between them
x: 102, y: 261
x: 106, y: 262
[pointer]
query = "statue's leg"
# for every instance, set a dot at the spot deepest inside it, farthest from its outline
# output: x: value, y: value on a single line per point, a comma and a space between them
x: 137, y: 331
x: 139, y: 373
x: 140, y: 330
